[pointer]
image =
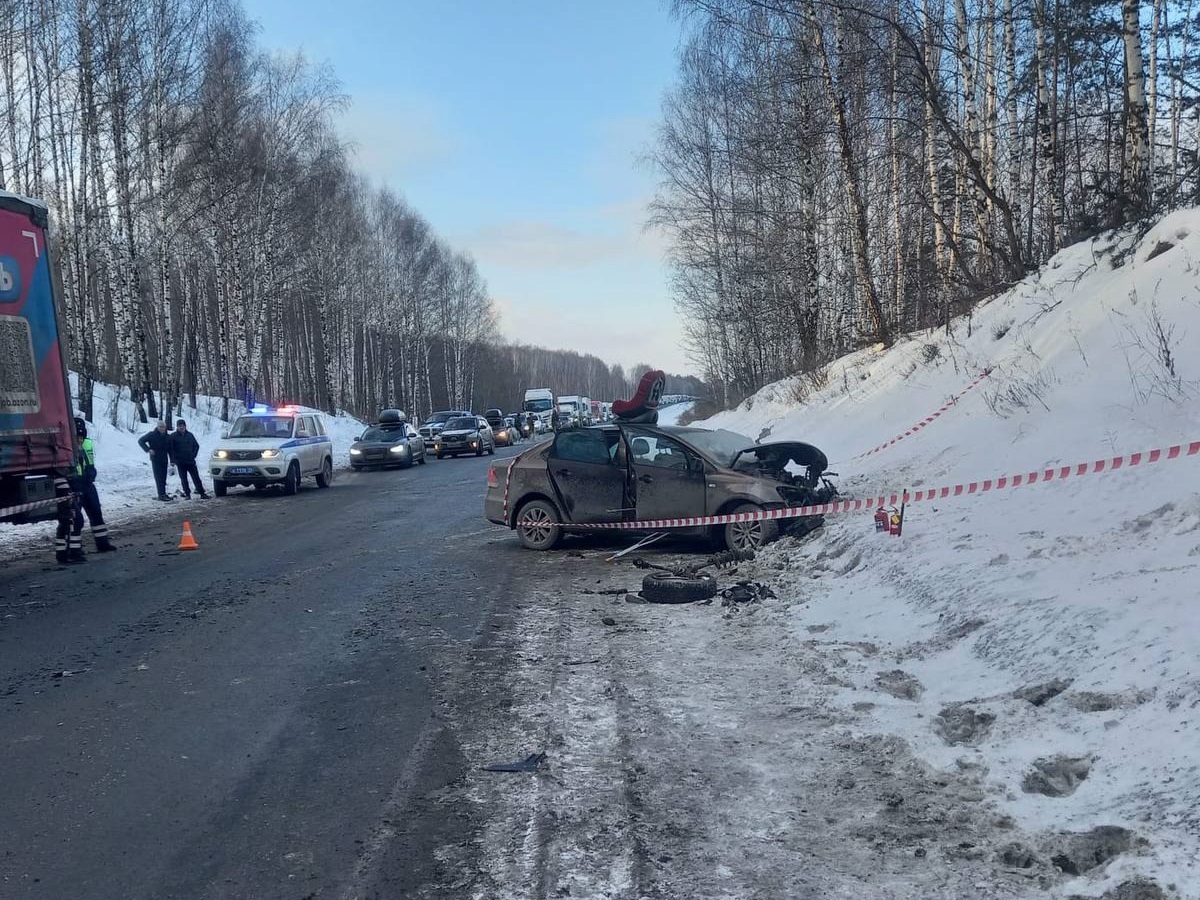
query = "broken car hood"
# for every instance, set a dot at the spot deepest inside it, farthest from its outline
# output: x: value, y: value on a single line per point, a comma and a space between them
x: 797, y: 452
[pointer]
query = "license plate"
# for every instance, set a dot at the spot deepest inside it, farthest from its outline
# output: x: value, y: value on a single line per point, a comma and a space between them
x: 242, y: 470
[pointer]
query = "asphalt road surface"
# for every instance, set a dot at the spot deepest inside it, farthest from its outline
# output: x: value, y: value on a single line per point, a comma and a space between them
x: 262, y: 718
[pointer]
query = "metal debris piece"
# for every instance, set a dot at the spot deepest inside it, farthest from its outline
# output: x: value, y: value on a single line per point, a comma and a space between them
x: 531, y: 763
x: 746, y: 592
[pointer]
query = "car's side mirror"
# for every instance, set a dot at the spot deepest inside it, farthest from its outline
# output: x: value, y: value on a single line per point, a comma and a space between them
x: 695, y: 464
x: 224, y: 435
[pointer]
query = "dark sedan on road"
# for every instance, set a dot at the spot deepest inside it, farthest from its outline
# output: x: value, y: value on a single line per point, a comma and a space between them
x: 433, y: 426
x: 465, y: 434
x: 633, y: 472
x: 502, y: 427
x: 387, y: 444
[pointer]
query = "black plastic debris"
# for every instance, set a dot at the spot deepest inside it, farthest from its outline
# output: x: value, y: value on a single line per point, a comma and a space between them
x: 746, y: 592
x: 531, y: 763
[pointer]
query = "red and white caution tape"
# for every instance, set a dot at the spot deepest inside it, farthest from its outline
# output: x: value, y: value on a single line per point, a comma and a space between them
x: 508, y: 482
x: 1004, y: 482
x: 929, y: 418
x: 29, y: 507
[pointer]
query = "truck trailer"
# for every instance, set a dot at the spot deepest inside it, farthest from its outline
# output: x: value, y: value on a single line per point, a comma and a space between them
x: 37, y: 434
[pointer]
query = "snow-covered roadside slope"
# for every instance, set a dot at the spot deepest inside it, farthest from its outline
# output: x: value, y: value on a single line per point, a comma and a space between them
x: 125, y: 482
x: 670, y: 415
x: 1090, y: 580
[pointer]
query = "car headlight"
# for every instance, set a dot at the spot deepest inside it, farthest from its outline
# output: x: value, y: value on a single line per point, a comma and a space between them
x: 220, y: 454
x: 400, y: 448
x: 270, y: 454
x: 354, y: 451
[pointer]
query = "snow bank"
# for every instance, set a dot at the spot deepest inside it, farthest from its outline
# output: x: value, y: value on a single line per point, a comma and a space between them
x: 670, y: 415
x: 1091, y: 581
x: 125, y: 481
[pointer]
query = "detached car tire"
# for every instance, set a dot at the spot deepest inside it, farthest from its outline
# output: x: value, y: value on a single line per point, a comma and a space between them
x: 667, y: 587
x: 749, y: 535
x: 536, y: 526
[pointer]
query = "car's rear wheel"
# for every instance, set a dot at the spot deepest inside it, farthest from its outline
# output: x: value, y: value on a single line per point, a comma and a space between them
x: 422, y: 459
x: 752, y: 535
x: 291, y: 482
x: 325, y: 476
x: 537, y: 525
x: 492, y: 450
x: 219, y: 488
x: 441, y: 456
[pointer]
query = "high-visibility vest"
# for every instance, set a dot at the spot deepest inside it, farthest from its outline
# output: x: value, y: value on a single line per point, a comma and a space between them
x: 87, y: 451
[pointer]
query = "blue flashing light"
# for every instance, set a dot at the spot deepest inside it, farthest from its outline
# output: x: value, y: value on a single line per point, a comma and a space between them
x: 259, y: 408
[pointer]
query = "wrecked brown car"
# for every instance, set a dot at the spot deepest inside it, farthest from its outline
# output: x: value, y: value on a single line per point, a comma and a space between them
x: 634, y: 472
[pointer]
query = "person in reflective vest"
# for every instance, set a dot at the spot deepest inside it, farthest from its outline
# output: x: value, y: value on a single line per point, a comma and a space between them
x: 68, y: 542
x: 85, y: 486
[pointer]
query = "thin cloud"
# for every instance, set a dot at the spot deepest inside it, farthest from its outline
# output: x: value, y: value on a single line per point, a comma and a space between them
x: 610, y: 234
x: 395, y: 138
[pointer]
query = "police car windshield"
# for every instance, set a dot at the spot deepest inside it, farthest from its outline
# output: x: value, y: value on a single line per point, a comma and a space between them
x: 262, y: 427
x: 461, y: 424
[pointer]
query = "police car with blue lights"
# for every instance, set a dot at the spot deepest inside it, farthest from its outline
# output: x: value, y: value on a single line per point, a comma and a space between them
x: 273, y: 446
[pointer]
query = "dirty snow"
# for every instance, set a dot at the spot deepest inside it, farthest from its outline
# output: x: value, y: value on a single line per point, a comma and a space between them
x: 125, y: 481
x: 1004, y: 702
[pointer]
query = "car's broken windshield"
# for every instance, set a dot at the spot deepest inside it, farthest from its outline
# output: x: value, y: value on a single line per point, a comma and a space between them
x: 721, y: 446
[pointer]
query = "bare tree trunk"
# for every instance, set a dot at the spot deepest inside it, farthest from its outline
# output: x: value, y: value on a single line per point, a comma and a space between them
x: 1137, y: 149
x: 857, y: 208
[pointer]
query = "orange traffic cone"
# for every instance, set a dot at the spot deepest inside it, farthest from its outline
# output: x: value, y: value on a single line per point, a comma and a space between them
x: 187, y: 542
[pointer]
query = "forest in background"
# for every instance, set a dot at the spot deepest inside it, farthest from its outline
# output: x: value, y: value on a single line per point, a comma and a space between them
x: 835, y: 174
x: 212, y: 235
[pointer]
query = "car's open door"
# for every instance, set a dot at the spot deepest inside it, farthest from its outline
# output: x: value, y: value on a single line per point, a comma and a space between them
x: 589, y: 474
x: 669, y: 479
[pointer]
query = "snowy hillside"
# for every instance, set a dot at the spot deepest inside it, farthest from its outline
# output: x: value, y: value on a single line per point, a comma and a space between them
x: 670, y: 415
x: 125, y: 482
x: 1085, y: 586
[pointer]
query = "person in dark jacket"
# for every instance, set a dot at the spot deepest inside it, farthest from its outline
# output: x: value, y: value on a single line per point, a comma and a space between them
x: 157, y: 443
x: 184, y: 450
x: 85, y: 487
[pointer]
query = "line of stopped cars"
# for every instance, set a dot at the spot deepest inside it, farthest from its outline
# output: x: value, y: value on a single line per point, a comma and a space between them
x: 634, y: 470
x: 392, y: 441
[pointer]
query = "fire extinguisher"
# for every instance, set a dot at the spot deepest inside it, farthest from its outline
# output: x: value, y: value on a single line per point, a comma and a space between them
x: 896, y: 520
x: 882, y: 520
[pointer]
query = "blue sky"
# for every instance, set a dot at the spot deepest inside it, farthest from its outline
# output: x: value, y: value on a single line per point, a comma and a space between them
x: 516, y: 127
